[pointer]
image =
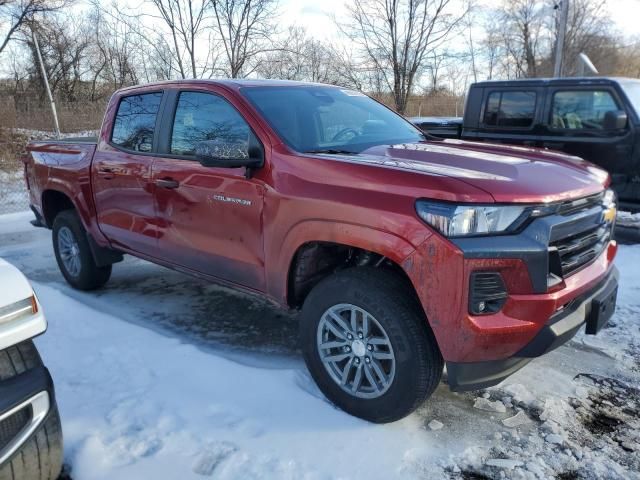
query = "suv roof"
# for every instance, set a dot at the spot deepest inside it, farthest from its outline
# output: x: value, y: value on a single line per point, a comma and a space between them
x: 537, y: 82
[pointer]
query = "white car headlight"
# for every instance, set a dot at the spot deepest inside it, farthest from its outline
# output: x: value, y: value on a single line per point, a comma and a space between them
x: 468, y: 220
x: 14, y: 311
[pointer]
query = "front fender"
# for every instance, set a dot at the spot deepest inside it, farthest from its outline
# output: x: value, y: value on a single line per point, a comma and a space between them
x: 388, y: 244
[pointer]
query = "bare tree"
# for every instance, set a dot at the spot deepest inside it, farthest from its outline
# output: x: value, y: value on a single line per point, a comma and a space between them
x: 492, y: 49
x: 185, y: 20
x: 522, y: 31
x: 300, y: 57
x: 114, y: 56
x: 588, y: 30
x: 15, y: 13
x: 521, y: 37
x: 397, y: 35
x: 469, y: 22
x: 64, y: 44
x: 245, y: 28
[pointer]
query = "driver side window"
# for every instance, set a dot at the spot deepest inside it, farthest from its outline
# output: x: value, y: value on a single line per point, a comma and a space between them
x: 206, y: 117
x: 581, y: 109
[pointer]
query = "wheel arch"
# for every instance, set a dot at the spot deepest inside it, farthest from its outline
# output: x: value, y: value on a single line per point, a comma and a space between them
x: 53, y: 202
x: 57, y: 197
x: 313, y: 250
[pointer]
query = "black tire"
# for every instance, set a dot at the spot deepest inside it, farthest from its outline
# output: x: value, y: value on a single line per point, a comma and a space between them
x: 40, y: 458
x: 90, y: 275
x: 389, y: 299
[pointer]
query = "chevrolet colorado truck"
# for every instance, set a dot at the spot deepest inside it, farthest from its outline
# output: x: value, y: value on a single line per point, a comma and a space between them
x: 404, y: 254
x: 30, y: 432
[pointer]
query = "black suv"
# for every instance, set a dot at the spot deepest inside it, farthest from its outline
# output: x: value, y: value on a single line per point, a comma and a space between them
x: 595, y: 118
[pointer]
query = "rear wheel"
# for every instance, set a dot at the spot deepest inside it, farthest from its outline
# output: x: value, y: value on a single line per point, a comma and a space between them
x: 40, y: 458
x: 73, y: 253
x: 368, y: 346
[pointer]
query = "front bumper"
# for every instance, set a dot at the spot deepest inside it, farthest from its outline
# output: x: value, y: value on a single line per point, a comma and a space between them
x: 559, y: 329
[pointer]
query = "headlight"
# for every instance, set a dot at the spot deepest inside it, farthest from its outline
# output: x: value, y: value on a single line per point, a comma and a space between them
x: 467, y: 220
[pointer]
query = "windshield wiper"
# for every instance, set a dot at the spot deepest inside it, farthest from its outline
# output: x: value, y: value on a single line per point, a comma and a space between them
x: 332, y: 151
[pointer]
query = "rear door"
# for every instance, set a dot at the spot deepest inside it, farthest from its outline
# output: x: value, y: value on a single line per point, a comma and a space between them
x: 209, y: 218
x: 121, y: 174
x: 574, y: 123
x: 508, y: 115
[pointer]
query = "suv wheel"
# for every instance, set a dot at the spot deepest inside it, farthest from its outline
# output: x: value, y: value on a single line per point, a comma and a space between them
x: 368, y: 346
x: 73, y: 253
x: 40, y: 457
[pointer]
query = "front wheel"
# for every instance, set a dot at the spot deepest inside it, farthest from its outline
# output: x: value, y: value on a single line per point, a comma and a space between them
x: 40, y: 456
x: 368, y: 346
x: 73, y: 253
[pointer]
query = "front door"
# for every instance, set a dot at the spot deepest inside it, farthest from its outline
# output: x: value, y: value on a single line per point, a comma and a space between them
x: 210, y: 219
x: 121, y: 175
x: 576, y: 125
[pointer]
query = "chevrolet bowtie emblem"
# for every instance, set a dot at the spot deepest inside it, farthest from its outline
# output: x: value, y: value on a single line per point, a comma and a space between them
x: 609, y: 215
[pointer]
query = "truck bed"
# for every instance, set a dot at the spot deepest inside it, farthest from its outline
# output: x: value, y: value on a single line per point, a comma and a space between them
x: 93, y: 140
x: 59, y: 165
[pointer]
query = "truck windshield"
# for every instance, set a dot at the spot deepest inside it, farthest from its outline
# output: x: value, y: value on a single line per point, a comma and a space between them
x: 632, y: 89
x: 329, y: 119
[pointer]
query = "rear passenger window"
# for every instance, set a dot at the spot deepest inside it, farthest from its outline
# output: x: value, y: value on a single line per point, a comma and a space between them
x: 581, y: 109
x: 205, y: 117
x: 510, y: 109
x: 135, y: 122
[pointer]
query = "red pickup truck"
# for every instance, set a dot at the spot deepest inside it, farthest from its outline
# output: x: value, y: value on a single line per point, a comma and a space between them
x: 404, y: 253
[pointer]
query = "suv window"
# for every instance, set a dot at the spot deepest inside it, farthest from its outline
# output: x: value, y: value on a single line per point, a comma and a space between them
x: 581, y: 109
x: 204, y: 116
x: 510, y: 109
x: 135, y: 122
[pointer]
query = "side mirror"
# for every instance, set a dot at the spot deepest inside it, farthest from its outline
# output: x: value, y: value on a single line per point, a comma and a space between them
x: 228, y: 153
x: 614, y: 120
x: 145, y: 144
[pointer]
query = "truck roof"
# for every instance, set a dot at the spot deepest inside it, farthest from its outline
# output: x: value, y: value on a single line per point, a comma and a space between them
x: 553, y: 81
x: 234, y: 83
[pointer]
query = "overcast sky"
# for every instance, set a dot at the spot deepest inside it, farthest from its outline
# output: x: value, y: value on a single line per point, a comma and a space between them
x: 315, y: 15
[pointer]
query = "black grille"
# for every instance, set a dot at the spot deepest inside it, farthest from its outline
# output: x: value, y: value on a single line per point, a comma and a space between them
x: 487, y: 293
x: 11, y: 426
x: 573, y: 252
x: 573, y: 206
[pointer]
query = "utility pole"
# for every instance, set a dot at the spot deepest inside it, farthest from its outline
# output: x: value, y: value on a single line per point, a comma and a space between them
x: 46, y: 83
x: 562, y: 32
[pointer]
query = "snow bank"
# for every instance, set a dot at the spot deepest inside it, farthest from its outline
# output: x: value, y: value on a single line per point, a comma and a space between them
x: 136, y: 404
x: 627, y: 219
x: 140, y: 401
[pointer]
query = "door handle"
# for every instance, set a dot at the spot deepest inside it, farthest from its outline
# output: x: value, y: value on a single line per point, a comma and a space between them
x: 106, y: 173
x: 169, y: 183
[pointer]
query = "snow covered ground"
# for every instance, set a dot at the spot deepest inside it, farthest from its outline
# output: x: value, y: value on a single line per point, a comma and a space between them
x: 627, y: 219
x: 163, y: 376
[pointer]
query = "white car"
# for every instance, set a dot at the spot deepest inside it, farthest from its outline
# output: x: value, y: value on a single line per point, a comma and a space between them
x: 21, y: 316
x: 30, y: 431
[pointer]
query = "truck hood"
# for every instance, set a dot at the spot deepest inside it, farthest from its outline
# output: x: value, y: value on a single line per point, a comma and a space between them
x: 507, y: 173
